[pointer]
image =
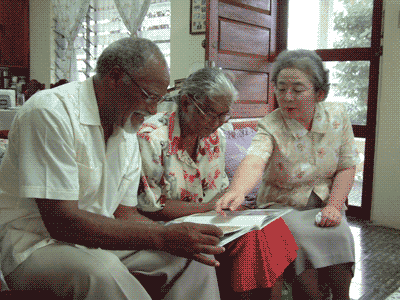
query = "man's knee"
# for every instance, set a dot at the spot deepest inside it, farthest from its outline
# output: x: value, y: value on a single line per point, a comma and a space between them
x: 66, y: 274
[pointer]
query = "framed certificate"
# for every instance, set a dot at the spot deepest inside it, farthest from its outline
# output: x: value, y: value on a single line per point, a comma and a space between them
x: 198, y: 16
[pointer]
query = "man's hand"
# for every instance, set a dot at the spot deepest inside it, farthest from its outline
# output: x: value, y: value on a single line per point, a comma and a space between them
x: 330, y: 216
x: 190, y: 240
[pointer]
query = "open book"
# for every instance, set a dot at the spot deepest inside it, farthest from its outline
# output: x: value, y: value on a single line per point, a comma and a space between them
x: 235, y: 223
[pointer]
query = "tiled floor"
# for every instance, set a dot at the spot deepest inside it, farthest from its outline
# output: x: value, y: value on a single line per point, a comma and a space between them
x: 377, y: 274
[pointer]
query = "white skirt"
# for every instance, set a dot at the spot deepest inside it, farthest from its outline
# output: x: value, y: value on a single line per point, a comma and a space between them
x: 319, y: 247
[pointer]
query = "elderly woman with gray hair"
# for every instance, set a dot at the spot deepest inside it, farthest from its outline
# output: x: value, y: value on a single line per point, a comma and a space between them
x: 306, y: 155
x: 183, y: 158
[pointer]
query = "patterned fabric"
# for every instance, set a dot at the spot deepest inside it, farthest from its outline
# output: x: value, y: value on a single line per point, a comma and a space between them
x: 3, y: 147
x: 132, y: 13
x: 237, y: 143
x: 301, y: 161
x: 256, y: 259
x: 168, y: 172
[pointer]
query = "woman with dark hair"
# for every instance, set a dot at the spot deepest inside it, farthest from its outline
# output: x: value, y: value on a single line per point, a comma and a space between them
x: 306, y: 155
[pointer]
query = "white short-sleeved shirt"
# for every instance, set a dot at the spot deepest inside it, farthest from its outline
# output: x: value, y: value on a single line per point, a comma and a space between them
x: 299, y: 161
x: 57, y: 151
x: 168, y: 172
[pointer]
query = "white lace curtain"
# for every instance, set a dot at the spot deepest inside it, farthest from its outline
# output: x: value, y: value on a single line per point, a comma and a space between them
x: 132, y: 12
x: 69, y: 17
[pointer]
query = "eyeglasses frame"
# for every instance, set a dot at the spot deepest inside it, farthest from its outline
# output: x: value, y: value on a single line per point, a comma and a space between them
x: 150, y: 99
x: 208, y: 117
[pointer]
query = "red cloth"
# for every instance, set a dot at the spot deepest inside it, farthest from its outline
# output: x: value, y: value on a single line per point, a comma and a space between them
x: 258, y: 258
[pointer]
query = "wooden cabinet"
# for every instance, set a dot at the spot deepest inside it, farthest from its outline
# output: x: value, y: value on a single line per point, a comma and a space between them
x: 14, y: 36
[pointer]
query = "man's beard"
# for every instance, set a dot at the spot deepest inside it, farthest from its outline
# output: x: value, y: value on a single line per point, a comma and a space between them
x: 133, y: 128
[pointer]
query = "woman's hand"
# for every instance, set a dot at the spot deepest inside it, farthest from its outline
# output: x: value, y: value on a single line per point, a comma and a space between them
x: 330, y: 217
x: 231, y: 200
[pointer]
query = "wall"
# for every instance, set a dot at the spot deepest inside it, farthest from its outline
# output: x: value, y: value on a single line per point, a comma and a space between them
x: 40, y: 22
x: 187, y: 54
x: 386, y: 185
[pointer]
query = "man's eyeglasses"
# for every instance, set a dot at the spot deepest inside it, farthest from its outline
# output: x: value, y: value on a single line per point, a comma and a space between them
x: 210, y: 116
x: 150, y: 99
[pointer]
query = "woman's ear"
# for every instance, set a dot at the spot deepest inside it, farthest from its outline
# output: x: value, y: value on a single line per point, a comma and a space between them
x: 320, y: 95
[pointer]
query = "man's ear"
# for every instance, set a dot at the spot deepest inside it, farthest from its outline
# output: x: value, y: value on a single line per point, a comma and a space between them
x: 115, y: 74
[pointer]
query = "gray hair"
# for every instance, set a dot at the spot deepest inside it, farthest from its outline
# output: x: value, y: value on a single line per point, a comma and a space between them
x: 208, y: 83
x: 306, y: 61
x: 130, y: 53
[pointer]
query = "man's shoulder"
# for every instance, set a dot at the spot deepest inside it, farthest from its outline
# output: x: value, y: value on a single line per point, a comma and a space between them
x: 49, y: 98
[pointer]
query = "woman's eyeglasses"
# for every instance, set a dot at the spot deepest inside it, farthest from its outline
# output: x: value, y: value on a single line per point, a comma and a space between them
x: 210, y: 116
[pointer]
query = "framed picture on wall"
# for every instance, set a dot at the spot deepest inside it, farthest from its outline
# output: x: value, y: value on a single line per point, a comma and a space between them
x: 197, y: 16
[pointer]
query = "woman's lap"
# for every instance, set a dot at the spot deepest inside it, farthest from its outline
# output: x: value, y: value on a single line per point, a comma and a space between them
x: 258, y: 258
x: 319, y: 246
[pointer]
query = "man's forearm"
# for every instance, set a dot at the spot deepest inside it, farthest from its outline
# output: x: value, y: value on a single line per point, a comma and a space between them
x: 65, y: 222
x: 117, y: 234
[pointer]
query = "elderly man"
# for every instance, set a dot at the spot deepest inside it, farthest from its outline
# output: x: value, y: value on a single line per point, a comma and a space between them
x: 68, y: 222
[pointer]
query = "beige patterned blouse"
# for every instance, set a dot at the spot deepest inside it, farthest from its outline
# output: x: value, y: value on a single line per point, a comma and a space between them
x: 299, y: 161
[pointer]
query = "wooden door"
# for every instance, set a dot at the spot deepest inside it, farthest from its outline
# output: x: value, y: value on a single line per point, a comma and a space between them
x: 14, y: 33
x: 243, y: 37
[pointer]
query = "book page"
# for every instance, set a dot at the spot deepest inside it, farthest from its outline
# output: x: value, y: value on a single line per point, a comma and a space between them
x: 235, y: 220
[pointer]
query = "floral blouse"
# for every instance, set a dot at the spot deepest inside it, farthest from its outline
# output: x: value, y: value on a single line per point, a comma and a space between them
x: 299, y: 161
x: 168, y: 172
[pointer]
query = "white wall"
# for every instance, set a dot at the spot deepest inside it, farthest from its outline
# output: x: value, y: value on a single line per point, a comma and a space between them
x: 386, y: 185
x: 187, y: 54
x: 40, y: 39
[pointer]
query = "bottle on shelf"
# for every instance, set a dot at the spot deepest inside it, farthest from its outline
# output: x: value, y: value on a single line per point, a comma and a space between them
x: 5, y: 79
x: 20, y: 91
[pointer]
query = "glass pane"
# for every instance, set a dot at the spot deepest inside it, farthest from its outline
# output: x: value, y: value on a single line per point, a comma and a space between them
x: 356, y: 192
x: 349, y: 85
x: 329, y: 24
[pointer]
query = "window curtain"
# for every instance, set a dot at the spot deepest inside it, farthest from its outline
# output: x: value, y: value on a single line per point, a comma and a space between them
x: 132, y: 13
x: 69, y: 15
x: 102, y: 22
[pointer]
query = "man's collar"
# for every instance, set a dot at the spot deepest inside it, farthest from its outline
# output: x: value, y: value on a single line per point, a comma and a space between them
x: 318, y: 125
x: 88, y: 108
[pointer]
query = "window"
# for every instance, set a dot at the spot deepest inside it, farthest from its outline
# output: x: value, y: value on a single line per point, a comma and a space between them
x: 103, y: 25
x: 346, y: 34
